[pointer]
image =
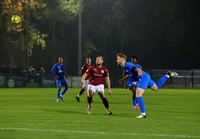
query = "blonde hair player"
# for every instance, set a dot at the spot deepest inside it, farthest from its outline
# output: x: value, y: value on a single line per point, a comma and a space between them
x: 144, y: 80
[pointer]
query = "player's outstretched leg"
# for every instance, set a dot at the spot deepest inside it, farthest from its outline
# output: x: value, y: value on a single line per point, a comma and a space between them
x: 79, y: 94
x: 162, y: 80
x: 139, y: 93
x: 64, y: 91
x: 58, y: 98
x: 172, y: 73
x: 105, y: 102
x: 89, y: 99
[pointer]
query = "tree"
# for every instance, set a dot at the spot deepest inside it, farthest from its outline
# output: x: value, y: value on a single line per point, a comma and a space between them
x: 27, y: 34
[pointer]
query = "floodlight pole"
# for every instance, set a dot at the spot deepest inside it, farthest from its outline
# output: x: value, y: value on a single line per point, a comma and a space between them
x: 79, y: 35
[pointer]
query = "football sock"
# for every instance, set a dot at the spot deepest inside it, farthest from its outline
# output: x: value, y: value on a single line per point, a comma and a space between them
x: 141, y: 104
x: 134, y: 102
x: 89, y: 100
x: 64, y: 91
x: 59, y: 93
x: 161, y: 81
x: 105, y: 102
x: 81, y: 92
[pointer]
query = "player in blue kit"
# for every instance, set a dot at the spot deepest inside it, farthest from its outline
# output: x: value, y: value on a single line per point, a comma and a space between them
x: 58, y: 71
x: 130, y: 83
x: 144, y: 80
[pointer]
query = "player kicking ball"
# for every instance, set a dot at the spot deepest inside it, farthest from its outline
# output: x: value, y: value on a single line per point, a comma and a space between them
x: 58, y: 71
x: 129, y: 81
x: 97, y: 74
x: 144, y: 80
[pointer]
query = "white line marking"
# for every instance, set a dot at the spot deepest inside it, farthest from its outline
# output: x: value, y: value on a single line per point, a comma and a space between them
x: 105, y: 133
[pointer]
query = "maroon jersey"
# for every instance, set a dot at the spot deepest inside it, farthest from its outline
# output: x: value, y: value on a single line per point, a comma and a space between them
x: 97, y: 75
x: 83, y: 70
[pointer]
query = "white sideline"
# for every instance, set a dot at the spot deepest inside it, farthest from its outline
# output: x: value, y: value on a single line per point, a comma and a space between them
x: 105, y: 133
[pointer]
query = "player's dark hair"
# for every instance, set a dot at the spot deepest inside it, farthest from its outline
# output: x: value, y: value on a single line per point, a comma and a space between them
x: 122, y: 55
x: 88, y: 57
x: 134, y: 57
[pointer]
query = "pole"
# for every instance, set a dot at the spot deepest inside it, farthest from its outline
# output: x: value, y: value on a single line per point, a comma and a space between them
x: 79, y: 35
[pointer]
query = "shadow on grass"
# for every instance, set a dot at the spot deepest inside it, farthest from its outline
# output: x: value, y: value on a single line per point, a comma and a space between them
x: 84, y: 113
x: 179, y: 112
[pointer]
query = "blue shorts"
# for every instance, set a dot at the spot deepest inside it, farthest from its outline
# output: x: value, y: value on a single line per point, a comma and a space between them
x: 61, y: 82
x: 130, y: 82
x: 145, y: 81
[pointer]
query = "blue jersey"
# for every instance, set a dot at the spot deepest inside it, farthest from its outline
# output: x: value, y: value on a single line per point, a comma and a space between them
x: 130, y: 69
x: 136, y: 76
x: 59, y: 70
x: 144, y: 80
x: 139, y: 66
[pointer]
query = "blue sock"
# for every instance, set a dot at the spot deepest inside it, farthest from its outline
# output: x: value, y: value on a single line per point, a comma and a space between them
x: 141, y: 104
x: 64, y: 91
x: 134, y: 102
x: 59, y: 93
x: 161, y: 81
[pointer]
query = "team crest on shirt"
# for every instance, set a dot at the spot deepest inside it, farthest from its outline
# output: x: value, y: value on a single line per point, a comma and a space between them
x: 60, y: 70
x: 102, y: 71
x: 126, y: 70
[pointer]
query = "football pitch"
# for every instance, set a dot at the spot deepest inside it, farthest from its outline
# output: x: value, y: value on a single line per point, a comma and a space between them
x: 34, y: 113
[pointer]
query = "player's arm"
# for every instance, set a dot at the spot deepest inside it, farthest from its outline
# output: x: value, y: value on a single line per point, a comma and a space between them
x: 85, y: 75
x: 83, y: 78
x: 82, y: 70
x: 108, y: 84
x: 124, y: 78
x: 140, y: 72
x: 124, y: 82
x: 53, y: 71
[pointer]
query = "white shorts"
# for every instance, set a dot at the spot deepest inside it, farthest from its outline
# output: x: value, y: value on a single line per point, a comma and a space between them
x: 97, y: 88
x: 85, y: 85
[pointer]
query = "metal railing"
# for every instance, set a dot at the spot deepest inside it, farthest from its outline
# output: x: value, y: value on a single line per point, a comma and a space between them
x: 186, y: 79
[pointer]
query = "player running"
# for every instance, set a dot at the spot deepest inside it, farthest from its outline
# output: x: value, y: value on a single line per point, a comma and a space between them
x: 58, y: 71
x: 97, y: 74
x: 83, y: 70
x: 143, y: 82
x: 130, y: 83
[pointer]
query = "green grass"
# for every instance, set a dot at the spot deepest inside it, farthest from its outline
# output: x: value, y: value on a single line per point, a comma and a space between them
x: 169, y: 111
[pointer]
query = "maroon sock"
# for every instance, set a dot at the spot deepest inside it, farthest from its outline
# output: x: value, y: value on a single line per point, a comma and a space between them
x: 89, y: 100
x: 81, y: 92
x: 105, y: 102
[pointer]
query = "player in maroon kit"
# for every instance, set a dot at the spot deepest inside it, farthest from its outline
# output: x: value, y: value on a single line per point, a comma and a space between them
x: 97, y: 73
x: 83, y: 70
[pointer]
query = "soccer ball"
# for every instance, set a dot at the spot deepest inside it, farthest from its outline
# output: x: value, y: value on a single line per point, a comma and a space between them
x: 15, y: 19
